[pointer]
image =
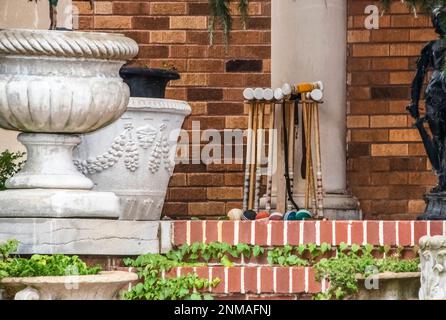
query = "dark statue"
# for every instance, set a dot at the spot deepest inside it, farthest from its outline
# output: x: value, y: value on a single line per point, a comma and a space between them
x: 433, y: 58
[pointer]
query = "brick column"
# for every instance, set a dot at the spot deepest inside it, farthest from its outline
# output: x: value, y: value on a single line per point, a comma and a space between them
x: 309, y: 43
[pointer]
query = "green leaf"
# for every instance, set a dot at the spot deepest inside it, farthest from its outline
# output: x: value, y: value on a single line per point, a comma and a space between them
x: 355, y: 248
x: 343, y: 247
x: 281, y: 260
x: 301, y: 249
x: 325, y: 247
x: 195, y: 296
x: 270, y: 258
x: 226, y: 262
x: 367, y: 249
x: 257, y: 251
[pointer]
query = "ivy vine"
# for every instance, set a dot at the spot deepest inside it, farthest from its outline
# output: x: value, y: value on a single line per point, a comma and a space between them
x: 343, y: 270
x: 339, y: 265
x: 154, y: 287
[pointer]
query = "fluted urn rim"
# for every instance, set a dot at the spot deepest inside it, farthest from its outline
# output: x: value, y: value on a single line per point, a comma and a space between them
x: 67, y: 44
x: 159, y: 105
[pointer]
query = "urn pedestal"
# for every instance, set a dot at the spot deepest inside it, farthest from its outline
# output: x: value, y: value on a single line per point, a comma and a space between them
x: 54, y: 86
x: 436, y: 207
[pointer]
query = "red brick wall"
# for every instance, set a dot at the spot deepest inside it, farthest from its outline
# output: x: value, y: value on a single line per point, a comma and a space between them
x: 175, y: 32
x: 387, y: 167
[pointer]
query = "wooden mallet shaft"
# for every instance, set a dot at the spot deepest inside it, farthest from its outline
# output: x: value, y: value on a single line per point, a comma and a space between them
x: 316, y: 96
x: 271, y: 147
x: 259, y: 94
x: 248, y: 94
x: 291, y: 143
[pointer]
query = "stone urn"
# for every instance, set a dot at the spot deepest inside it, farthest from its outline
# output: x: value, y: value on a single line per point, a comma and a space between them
x: 135, y: 156
x: 104, y: 286
x: 390, y: 286
x: 54, y: 86
x: 433, y: 268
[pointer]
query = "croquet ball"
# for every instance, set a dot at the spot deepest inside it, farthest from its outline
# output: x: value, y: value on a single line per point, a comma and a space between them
x: 249, y: 215
x: 303, y: 215
x: 276, y: 216
x: 290, y: 216
x: 262, y: 215
x: 235, y: 214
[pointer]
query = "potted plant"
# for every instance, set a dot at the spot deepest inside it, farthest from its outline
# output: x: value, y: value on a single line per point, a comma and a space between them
x: 57, y: 277
x: 356, y: 273
x: 148, y: 82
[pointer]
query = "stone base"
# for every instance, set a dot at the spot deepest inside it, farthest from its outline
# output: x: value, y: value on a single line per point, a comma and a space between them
x: 82, y: 236
x: 436, y: 207
x: 43, y: 203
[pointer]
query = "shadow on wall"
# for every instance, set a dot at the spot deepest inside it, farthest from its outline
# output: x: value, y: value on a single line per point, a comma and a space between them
x: 32, y: 15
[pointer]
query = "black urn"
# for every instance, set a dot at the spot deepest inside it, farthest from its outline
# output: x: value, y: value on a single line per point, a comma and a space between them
x: 147, y: 82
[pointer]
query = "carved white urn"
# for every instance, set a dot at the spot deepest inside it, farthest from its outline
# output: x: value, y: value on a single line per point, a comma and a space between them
x: 53, y: 86
x: 433, y: 268
x: 135, y: 156
x: 103, y: 286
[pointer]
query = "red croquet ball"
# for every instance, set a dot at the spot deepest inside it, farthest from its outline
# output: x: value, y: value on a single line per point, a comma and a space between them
x: 262, y: 215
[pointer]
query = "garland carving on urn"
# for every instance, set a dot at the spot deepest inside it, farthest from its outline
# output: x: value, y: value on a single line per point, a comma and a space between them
x: 126, y: 146
x: 135, y: 156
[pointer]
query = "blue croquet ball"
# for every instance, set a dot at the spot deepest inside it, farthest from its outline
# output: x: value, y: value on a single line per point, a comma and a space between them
x: 249, y: 215
x: 290, y: 216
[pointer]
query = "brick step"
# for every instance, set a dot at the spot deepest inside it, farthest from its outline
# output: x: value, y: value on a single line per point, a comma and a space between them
x: 258, y: 279
x: 279, y: 233
x: 255, y: 280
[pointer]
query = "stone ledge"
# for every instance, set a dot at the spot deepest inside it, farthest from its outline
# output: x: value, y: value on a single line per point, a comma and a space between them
x: 82, y: 236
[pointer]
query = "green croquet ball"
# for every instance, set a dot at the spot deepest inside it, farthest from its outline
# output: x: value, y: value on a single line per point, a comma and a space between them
x: 303, y: 215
